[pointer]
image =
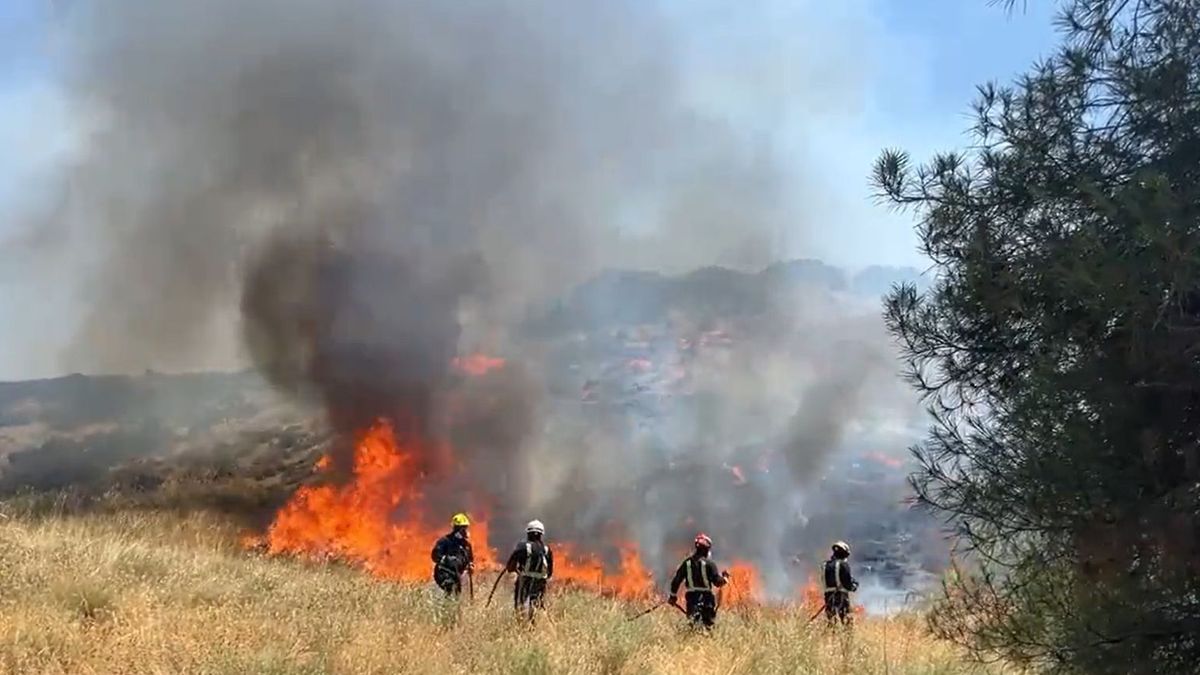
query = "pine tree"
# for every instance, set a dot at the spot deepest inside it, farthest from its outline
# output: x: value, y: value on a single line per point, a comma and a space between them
x: 1059, y: 348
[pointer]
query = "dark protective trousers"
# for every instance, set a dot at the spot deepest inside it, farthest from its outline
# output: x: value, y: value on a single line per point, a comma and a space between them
x: 528, y: 589
x: 701, y: 607
x: 837, y: 606
x: 448, y: 580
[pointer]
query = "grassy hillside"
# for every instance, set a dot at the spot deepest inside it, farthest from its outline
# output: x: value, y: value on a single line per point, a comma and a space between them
x: 151, y: 592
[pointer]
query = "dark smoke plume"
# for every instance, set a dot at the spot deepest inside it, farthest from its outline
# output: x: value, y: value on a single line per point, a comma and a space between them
x: 511, y: 136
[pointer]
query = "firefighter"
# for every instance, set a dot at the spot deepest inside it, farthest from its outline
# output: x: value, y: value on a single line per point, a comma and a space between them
x: 839, y: 584
x: 699, y: 576
x: 452, y: 556
x: 533, y: 562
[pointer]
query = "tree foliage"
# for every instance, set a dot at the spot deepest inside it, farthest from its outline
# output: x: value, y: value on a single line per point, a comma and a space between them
x: 1059, y: 348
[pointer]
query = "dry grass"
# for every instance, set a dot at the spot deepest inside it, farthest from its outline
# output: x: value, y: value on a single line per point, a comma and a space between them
x: 143, y: 592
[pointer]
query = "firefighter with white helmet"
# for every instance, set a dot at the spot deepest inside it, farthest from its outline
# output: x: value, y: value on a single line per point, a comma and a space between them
x: 839, y: 583
x: 533, y: 562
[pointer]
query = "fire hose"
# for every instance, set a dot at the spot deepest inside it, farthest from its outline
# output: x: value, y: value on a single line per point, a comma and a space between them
x: 719, y: 601
x: 656, y: 606
x: 494, y: 586
x: 814, y: 616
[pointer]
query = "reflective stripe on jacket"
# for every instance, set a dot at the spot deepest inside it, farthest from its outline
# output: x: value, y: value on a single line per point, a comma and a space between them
x: 705, y: 583
x: 534, y: 566
x: 838, y: 578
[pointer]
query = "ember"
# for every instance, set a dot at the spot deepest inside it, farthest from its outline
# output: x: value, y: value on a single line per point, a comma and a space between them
x: 739, y: 478
x: 640, y: 365
x: 892, y: 462
x: 478, y: 364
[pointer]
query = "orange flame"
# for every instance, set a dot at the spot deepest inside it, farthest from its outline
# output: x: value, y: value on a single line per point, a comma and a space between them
x: 478, y: 364
x: 632, y: 580
x: 744, y: 587
x: 377, y: 520
x: 811, y: 594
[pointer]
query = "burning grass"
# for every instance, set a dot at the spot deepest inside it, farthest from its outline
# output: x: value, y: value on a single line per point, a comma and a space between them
x: 378, y: 520
x: 149, y: 592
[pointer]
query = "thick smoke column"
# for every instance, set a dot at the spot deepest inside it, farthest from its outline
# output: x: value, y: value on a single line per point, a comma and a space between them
x: 511, y: 136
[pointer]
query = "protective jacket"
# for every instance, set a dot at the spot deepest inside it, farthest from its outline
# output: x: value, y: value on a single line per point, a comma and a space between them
x: 838, y: 577
x: 452, y: 555
x: 533, y: 561
x: 698, y: 575
x: 839, y: 583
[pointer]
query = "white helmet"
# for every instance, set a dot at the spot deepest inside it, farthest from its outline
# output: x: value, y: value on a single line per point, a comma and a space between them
x: 535, y: 526
x: 842, y: 545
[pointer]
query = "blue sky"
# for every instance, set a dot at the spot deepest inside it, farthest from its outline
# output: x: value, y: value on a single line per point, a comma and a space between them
x: 20, y: 25
x: 832, y: 83
x: 824, y: 85
x: 31, y: 117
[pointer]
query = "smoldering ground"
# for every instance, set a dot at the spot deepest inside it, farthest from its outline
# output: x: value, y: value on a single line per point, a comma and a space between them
x: 742, y: 447
x: 367, y: 188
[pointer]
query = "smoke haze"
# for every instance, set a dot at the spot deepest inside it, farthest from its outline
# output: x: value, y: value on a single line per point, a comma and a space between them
x: 513, y: 135
x: 348, y: 195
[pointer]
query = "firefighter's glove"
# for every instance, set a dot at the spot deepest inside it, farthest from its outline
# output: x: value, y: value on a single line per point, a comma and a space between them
x: 672, y: 601
x: 853, y: 585
x: 725, y: 575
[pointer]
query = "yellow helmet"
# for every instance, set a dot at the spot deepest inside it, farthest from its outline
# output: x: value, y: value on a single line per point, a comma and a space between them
x: 460, y: 520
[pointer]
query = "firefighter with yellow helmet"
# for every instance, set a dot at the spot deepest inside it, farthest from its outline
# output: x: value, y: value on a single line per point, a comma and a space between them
x: 452, y: 556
